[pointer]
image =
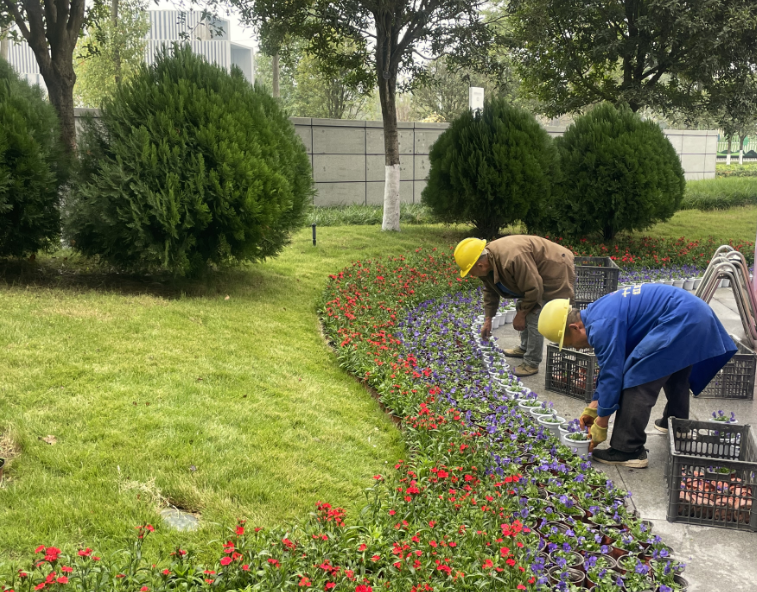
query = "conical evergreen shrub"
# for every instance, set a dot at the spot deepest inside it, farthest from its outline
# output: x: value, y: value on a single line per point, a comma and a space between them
x: 187, y: 165
x: 491, y: 169
x: 32, y: 167
x: 618, y: 173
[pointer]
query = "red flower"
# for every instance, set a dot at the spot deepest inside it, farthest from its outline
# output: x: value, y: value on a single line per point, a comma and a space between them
x: 67, y: 569
x: 329, y: 585
x: 144, y: 589
x: 166, y: 572
x: 488, y: 564
x: 85, y: 552
x: 362, y: 548
x: 39, y: 549
x: 240, y: 530
x: 375, y: 558
x: 226, y: 560
x: 362, y: 588
x: 245, y: 567
x: 62, y: 580
x: 305, y: 582
x: 39, y: 586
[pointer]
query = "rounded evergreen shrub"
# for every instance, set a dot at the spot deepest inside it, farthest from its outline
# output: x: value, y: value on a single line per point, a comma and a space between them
x: 32, y: 168
x: 618, y: 173
x: 491, y: 169
x: 188, y: 165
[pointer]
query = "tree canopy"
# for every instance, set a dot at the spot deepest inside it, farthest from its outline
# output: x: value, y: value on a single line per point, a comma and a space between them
x: 654, y: 53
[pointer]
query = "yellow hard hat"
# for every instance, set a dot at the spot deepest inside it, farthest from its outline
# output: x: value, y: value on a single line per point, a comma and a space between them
x: 552, y: 320
x: 467, y: 253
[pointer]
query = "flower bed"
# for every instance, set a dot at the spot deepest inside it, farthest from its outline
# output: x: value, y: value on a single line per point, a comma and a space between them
x: 488, y: 497
x: 654, y: 253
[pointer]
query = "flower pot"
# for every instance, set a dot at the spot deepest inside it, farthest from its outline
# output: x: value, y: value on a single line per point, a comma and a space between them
x: 697, y: 282
x: 678, y: 283
x: 510, y: 315
x: 572, y: 575
x: 579, y: 447
x: 688, y: 284
x: 551, y: 426
x: 537, y: 412
x: 574, y: 560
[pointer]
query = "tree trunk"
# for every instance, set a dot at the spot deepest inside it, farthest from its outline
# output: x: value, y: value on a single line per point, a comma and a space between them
x: 5, y: 48
x: 728, y: 153
x: 275, y: 75
x: 60, y: 89
x: 52, y: 33
x: 114, y: 40
x: 741, y: 149
x: 388, y: 97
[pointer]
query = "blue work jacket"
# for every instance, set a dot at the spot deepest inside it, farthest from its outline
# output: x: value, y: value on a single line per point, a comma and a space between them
x: 648, y: 331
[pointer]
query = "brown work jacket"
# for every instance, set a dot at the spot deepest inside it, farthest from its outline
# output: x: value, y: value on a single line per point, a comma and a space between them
x: 531, y: 268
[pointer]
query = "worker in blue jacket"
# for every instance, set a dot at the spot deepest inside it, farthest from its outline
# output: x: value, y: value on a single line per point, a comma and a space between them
x: 646, y: 338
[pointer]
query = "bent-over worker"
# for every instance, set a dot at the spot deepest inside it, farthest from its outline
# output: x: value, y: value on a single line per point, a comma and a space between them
x: 532, y: 270
x: 646, y: 338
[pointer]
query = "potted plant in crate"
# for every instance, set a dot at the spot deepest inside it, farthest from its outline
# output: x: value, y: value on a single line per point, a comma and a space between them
x: 721, y: 417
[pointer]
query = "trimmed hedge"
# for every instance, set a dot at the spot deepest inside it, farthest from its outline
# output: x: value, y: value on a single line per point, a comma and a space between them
x: 491, y: 169
x: 32, y: 168
x: 188, y: 165
x: 618, y: 173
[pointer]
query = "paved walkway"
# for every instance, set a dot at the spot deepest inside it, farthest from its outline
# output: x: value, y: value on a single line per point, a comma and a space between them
x: 718, y: 559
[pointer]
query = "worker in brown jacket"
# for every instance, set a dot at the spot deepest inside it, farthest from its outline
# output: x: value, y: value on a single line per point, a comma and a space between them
x: 532, y: 270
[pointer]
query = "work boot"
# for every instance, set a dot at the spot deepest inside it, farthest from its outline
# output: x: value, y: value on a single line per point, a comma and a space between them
x: 610, y: 456
x: 515, y: 352
x: 661, y: 425
x: 525, y: 370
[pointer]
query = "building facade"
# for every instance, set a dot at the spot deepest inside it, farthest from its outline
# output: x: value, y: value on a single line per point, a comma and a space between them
x: 207, y: 38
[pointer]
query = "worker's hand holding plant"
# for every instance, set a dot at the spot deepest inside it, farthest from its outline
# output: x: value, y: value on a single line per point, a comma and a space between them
x: 588, y: 415
x: 486, y: 328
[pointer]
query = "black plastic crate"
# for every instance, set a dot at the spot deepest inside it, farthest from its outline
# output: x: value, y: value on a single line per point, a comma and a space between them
x: 571, y: 372
x: 595, y: 277
x: 736, y: 379
x: 712, y: 474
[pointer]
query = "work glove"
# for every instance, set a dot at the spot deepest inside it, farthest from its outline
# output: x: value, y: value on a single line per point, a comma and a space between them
x: 598, y: 435
x: 587, y: 418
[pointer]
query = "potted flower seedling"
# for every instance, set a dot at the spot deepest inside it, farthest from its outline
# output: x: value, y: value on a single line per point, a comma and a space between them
x: 571, y: 426
x: 528, y: 401
x: 552, y: 423
x: 604, y: 579
x: 721, y: 417
x: 578, y: 442
x: 639, y: 578
x: 544, y: 409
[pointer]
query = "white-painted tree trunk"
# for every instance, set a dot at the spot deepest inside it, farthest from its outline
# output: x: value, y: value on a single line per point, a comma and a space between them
x: 741, y: 156
x: 391, y: 198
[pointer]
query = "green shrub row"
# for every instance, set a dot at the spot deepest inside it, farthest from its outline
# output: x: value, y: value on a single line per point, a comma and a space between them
x: 359, y: 215
x: 187, y: 165
x: 736, y: 170
x: 611, y: 171
x: 720, y: 193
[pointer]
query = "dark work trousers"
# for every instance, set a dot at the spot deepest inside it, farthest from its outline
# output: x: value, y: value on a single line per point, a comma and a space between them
x: 636, y: 406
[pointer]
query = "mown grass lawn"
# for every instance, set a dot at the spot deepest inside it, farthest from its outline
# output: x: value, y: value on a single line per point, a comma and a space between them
x: 166, y: 391
x: 229, y: 408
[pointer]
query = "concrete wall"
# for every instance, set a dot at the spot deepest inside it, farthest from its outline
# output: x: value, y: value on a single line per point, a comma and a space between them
x: 348, y: 159
x: 697, y: 150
